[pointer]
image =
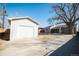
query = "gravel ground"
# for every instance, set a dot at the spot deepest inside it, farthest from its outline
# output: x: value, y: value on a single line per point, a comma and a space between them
x: 33, y: 47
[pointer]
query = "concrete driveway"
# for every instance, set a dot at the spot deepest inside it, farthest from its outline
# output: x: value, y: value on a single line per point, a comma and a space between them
x: 34, y: 47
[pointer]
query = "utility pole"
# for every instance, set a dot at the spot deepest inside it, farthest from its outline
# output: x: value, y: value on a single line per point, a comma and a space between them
x: 3, y: 14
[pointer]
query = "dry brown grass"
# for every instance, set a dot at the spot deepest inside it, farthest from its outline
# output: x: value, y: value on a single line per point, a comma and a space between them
x: 32, y: 47
x: 45, y: 38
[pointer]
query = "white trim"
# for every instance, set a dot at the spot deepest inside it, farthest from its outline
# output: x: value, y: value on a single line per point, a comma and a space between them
x: 21, y: 18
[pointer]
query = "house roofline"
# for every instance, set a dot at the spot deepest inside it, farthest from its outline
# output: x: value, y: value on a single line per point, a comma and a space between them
x: 20, y: 18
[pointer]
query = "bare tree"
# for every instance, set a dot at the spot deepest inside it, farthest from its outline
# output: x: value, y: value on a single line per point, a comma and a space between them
x: 67, y: 13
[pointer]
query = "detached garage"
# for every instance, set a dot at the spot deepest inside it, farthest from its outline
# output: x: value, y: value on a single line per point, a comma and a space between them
x: 23, y: 27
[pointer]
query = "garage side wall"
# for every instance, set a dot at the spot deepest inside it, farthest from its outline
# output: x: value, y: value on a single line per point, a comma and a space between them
x: 24, y: 22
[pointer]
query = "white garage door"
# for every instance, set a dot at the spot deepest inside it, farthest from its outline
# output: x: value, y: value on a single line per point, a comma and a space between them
x: 25, y: 32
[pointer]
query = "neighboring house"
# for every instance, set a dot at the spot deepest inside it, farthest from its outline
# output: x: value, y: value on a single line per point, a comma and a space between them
x: 59, y: 28
x: 47, y: 29
x: 23, y: 27
x: 77, y: 28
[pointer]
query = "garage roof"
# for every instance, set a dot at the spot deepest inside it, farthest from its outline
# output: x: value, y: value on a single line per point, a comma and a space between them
x: 21, y: 18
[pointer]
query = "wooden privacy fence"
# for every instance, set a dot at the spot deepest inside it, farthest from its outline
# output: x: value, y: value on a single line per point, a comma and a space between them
x: 5, y: 35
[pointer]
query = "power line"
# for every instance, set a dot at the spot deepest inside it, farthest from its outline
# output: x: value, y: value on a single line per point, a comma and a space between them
x: 3, y: 14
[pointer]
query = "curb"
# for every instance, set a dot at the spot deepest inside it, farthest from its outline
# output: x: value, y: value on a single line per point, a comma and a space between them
x: 48, y: 54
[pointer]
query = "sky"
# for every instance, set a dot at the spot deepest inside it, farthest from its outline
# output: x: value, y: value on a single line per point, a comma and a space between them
x: 38, y: 11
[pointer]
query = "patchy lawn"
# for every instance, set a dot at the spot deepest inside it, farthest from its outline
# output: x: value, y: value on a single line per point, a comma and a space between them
x: 32, y: 47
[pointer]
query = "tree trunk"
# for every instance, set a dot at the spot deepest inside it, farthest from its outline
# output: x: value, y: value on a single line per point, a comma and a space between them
x: 71, y: 29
